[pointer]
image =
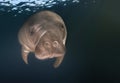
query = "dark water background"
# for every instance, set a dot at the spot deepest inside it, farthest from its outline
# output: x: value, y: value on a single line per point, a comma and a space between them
x: 93, y: 47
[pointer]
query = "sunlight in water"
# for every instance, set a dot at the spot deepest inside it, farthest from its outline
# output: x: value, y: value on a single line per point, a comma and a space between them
x: 20, y: 6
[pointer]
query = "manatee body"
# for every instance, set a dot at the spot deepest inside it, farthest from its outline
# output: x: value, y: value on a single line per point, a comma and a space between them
x: 44, y: 34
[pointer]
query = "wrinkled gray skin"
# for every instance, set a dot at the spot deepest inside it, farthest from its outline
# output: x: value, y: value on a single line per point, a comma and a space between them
x: 43, y: 34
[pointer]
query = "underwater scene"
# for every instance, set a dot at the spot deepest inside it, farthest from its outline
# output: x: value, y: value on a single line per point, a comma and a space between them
x: 91, y: 50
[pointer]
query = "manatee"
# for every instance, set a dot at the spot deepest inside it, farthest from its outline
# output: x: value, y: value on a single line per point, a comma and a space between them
x: 44, y: 34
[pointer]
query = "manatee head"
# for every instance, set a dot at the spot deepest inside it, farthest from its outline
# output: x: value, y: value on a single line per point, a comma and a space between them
x: 51, y: 43
x: 49, y: 46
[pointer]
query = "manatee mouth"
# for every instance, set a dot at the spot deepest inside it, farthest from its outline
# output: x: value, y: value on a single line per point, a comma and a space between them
x: 44, y: 56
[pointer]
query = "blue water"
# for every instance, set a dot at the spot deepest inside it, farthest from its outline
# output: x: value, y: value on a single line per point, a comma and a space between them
x: 93, y: 44
x: 21, y: 6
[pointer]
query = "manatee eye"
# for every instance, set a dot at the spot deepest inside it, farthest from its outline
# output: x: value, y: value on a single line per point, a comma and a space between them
x: 59, y: 24
x: 35, y: 29
x: 62, y: 26
x: 31, y: 32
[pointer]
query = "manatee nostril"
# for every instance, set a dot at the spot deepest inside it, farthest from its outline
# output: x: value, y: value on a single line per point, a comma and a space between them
x: 55, y: 44
x: 47, y: 44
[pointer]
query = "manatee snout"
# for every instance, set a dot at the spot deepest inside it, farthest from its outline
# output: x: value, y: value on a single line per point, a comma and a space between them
x: 44, y: 34
x: 49, y: 50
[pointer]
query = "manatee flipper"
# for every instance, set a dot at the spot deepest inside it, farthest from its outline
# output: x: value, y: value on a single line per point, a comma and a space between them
x: 25, y: 55
x: 58, y: 61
